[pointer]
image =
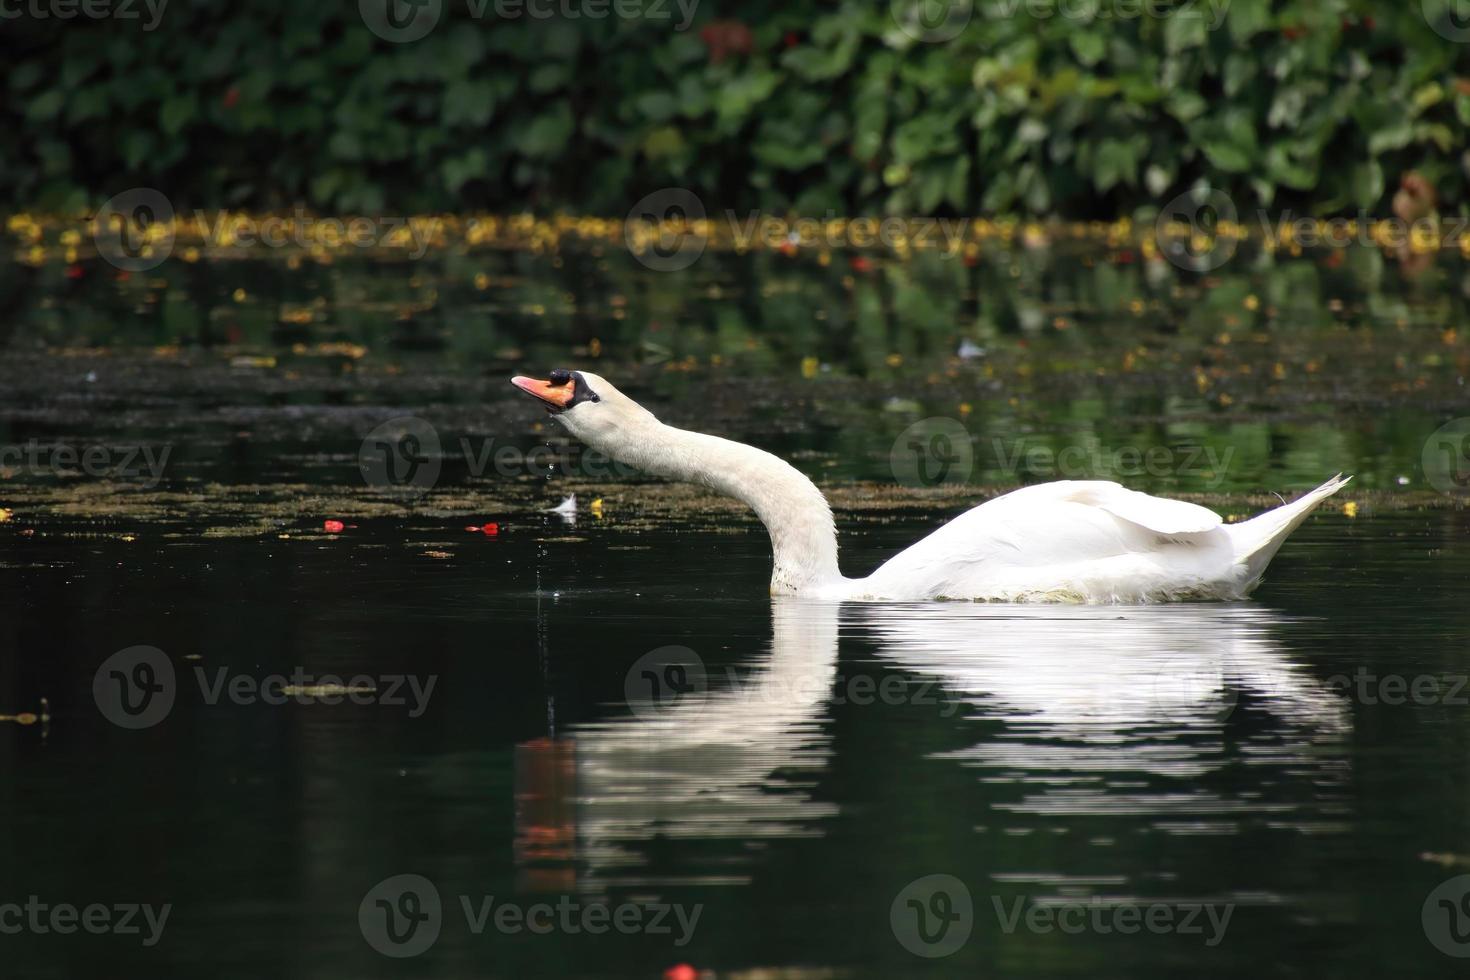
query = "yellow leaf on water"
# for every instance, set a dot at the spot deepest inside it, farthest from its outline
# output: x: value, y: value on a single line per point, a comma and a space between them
x: 5, y: 515
x: 1350, y: 508
x: 809, y: 366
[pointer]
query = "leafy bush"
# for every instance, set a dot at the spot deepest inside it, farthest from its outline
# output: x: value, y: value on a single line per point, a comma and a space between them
x: 1316, y: 105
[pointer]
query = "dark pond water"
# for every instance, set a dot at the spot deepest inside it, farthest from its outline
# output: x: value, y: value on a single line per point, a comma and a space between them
x: 605, y: 728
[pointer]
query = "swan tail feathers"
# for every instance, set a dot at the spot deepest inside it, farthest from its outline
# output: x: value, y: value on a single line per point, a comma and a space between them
x: 1257, y: 540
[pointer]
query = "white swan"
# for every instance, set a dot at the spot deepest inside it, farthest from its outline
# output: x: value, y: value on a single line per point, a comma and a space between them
x: 1073, y: 540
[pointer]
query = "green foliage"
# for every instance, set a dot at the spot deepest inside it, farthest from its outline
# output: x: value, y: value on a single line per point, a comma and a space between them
x: 1036, y: 107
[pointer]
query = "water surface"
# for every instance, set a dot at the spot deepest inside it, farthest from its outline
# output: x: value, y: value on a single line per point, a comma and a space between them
x: 1258, y: 757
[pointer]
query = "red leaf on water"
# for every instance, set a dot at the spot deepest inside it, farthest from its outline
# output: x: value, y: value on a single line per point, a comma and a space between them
x: 333, y: 527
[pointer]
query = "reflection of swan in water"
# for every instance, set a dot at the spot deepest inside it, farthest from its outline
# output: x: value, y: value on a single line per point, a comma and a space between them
x: 735, y: 761
x: 1092, y: 698
x: 1102, y: 710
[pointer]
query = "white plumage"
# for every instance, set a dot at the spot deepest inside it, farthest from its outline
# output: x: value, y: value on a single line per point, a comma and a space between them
x: 1069, y: 541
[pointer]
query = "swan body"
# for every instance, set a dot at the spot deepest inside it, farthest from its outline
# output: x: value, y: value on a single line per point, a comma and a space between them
x: 1068, y: 541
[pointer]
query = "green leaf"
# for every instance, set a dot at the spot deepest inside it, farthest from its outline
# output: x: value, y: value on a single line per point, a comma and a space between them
x: 1184, y: 29
x: 1227, y: 156
x: 461, y: 169
x: 1437, y: 133
x: 1281, y: 168
x: 137, y: 147
x: 87, y: 103
x: 1088, y: 47
x: 548, y: 134
x: 693, y: 99
x: 665, y: 141
x: 1394, y: 136
x: 344, y: 145
x: 177, y: 112
x: 658, y: 105
x: 24, y: 75
x: 46, y: 105
x: 1186, y: 106
x: 1112, y: 164
x: 1246, y: 18
x: 468, y: 102
x: 1367, y: 183
x: 550, y: 77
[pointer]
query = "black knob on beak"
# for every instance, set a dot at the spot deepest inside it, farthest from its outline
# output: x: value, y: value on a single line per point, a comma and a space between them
x: 561, y: 377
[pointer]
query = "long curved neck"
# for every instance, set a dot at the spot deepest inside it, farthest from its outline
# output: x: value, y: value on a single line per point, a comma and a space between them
x: 803, y: 539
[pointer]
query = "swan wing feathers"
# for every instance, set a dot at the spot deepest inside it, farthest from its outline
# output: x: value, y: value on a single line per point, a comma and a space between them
x: 1052, y: 531
x: 1166, y: 517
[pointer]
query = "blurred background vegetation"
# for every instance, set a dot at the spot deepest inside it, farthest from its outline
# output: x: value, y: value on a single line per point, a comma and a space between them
x: 1313, y: 105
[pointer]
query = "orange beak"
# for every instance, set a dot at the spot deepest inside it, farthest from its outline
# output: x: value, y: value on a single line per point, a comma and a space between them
x: 554, y: 397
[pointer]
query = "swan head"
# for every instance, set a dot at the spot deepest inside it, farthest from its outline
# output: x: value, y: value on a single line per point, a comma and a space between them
x: 588, y: 405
